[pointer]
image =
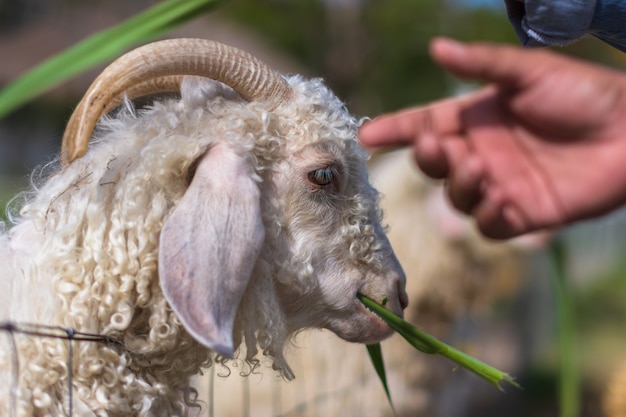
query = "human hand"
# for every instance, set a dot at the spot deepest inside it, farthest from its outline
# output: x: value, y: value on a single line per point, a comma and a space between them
x: 542, y: 145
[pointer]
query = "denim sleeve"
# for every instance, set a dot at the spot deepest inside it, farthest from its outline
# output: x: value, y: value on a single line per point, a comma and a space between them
x: 559, y: 22
x: 550, y: 22
x: 609, y: 23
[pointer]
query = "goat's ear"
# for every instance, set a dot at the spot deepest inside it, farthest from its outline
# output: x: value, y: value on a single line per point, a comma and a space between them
x: 209, y: 245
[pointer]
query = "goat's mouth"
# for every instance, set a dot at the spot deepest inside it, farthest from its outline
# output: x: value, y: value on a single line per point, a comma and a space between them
x: 369, y: 313
x: 379, y: 327
x: 396, y: 307
x: 359, y: 324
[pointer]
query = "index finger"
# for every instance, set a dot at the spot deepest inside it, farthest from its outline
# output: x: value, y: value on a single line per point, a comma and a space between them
x: 403, y: 128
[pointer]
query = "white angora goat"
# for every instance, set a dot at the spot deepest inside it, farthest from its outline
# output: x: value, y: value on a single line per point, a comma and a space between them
x: 202, y: 228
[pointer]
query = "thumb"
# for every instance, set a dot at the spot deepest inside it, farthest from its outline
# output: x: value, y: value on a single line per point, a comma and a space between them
x: 485, y: 62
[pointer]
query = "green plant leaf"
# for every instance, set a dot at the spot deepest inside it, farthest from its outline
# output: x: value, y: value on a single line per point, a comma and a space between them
x: 569, y: 375
x: 376, y: 355
x: 99, y: 48
x: 426, y: 343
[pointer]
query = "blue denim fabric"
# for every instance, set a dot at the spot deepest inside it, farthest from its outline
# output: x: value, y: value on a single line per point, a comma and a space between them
x: 551, y: 22
x: 559, y: 22
x: 609, y: 23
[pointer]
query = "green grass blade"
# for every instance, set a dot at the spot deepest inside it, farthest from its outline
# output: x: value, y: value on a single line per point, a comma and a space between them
x: 431, y: 345
x: 99, y: 48
x: 376, y: 355
x: 569, y: 375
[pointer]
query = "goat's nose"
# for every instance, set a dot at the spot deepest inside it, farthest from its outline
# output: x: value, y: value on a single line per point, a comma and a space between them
x: 402, y: 295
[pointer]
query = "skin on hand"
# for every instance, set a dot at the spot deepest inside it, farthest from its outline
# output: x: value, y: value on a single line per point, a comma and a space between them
x: 543, y: 144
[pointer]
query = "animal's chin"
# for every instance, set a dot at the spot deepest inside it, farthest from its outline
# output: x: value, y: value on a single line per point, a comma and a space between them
x: 362, y: 326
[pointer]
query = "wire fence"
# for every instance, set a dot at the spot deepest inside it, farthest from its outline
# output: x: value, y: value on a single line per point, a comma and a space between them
x: 333, y: 378
x: 320, y: 388
x: 52, y: 332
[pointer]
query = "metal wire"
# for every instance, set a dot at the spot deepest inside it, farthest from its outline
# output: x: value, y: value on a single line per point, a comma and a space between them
x: 52, y: 332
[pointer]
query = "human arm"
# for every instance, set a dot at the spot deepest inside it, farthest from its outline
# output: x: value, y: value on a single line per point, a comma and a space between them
x: 542, y: 145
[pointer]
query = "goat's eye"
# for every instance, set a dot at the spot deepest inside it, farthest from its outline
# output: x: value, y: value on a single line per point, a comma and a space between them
x: 322, y: 176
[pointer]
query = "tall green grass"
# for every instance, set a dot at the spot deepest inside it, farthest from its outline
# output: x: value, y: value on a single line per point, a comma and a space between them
x: 99, y: 48
x: 569, y: 375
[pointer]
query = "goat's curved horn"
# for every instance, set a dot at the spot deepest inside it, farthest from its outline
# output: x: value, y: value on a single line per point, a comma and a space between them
x: 167, y: 84
x: 147, y: 69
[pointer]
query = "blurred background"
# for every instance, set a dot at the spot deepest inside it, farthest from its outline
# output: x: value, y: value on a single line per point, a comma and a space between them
x: 493, y: 300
